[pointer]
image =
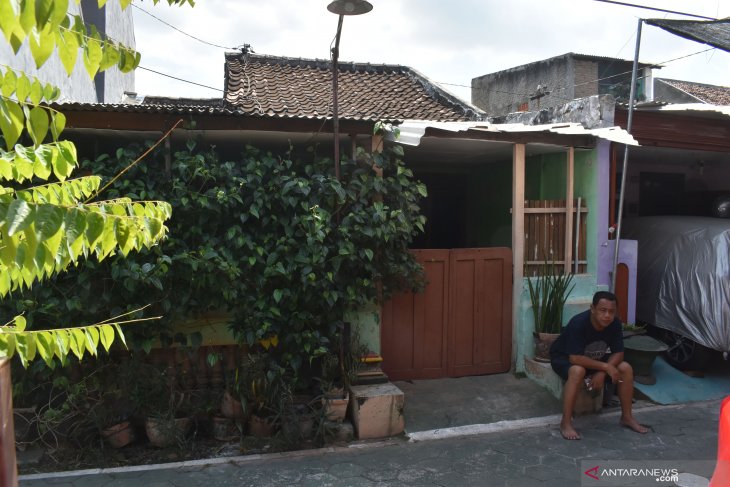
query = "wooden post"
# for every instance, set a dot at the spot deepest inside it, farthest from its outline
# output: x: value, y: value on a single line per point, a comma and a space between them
x: 518, y: 229
x: 569, y: 210
x: 8, y: 467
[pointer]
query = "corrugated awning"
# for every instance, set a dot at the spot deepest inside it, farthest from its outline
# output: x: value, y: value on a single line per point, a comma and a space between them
x: 715, y: 33
x: 411, y: 131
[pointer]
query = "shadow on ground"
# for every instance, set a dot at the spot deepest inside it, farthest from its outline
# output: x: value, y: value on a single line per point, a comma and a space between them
x: 443, y: 403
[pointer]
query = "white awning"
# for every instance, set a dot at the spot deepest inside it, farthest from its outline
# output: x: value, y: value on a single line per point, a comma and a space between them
x: 411, y: 131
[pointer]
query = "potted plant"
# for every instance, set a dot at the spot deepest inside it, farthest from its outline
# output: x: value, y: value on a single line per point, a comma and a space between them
x: 335, y: 395
x: 167, y: 419
x: 261, y: 388
x: 114, y: 408
x: 548, y: 293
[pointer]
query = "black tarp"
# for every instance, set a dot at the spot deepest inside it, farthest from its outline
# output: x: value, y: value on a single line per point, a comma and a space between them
x: 715, y: 33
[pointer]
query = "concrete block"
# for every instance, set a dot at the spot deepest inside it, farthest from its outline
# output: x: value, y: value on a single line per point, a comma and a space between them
x: 543, y: 374
x: 377, y: 410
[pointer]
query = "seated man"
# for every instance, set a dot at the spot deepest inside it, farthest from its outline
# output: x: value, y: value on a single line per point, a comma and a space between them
x: 590, y: 350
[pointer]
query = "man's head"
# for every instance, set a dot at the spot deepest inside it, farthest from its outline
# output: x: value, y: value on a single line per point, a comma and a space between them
x: 603, y: 309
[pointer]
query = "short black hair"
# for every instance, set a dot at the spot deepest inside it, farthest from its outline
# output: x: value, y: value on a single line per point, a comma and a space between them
x: 604, y: 295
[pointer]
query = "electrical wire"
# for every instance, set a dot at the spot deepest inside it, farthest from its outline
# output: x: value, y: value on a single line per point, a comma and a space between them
x: 561, y: 89
x: 182, y: 31
x: 180, y: 79
x: 623, y: 4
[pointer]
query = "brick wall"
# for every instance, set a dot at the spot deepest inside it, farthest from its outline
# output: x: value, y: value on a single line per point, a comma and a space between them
x: 586, y: 76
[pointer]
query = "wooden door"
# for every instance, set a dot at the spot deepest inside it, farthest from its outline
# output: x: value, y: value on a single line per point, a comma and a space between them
x: 413, y: 331
x: 460, y: 325
x: 480, y: 330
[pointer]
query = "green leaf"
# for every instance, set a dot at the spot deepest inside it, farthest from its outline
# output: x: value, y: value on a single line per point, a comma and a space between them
x: 106, y: 333
x: 8, y: 18
x: 45, y: 346
x: 78, y: 342
x: 369, y: 254
x: 58, y: 123
x: 19, y: 323
x: 27, y: 15
x: 120, y: 334
x: 11, y: 121
x: 48, y: 221
x: 42, y: 44
x: 37, y: 125
x: 6, y: 169
x: 122, y: 232
x: 58, y: 12
x: 24, y: 162
x: 110, y: 56
x: 9, y: 81
x: 92, y: 55
x: 43, y: 11
x: 92, y: 339
x: 43, y: 163
x: 68, y: 49
x: 22, y: 88
x: 278, y: 293
x: 95, y: 223
x: 7, y: 344
x: 19, y: 217
x: 36, y: 92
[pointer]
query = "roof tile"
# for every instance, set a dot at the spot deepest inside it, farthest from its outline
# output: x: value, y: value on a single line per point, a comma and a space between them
x: 293, y: 87
x: 712, y: 94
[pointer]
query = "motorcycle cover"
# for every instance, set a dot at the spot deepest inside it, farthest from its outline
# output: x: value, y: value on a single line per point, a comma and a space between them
x: 683, y: 276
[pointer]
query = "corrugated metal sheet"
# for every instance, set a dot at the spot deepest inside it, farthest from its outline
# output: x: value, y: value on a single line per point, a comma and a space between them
x: 689, y: 107
x: 715, y: 33
x: 411, y: 131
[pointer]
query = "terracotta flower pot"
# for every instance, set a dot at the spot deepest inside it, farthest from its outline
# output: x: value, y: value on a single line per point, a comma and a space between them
x: 336, y: 406
x: 231, y: 407
x: 119, y: 435
x: 224, y: 429
x: 164, y: 432
x: 259, y: 427
x: 543, y: 342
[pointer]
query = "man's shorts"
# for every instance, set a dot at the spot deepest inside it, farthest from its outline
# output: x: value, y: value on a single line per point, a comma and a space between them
x: 562, y: 365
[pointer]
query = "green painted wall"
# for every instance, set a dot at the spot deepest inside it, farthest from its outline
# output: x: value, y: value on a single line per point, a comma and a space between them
x: 585, y: 174
x: 545, y: 176
x: 545, y: 179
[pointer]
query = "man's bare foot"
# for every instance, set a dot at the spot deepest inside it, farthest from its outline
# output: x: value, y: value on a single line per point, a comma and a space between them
x: 568, y: 432
x: 633, y: 425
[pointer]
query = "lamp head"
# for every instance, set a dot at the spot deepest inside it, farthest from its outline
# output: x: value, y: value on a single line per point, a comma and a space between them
x: 350, y: 7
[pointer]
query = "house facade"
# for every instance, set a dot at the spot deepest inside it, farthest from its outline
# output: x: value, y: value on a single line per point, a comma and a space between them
x: 464, y: 324
x: 679, y: 169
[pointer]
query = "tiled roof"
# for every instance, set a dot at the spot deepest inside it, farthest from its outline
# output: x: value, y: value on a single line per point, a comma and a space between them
x: 712, y: 94
x: 302, y: 88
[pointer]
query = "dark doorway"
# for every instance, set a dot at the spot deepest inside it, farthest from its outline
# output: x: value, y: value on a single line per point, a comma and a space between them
x: 660, y: 193
x: 445, y: 212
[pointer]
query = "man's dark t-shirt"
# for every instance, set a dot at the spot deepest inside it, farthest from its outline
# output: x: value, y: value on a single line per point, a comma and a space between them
x: 579, y: 337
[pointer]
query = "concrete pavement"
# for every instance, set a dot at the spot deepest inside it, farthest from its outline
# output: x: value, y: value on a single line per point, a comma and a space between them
x: 520, y: 453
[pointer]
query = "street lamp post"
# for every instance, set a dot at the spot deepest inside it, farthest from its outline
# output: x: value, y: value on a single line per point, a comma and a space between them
x: 341, y: 8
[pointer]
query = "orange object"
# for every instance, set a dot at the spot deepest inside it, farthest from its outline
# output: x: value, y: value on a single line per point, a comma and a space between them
x: 721, y: 476
x: 371, y: 358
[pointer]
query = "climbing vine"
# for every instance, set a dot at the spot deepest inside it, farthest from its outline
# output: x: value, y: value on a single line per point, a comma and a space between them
x: 273, y: 238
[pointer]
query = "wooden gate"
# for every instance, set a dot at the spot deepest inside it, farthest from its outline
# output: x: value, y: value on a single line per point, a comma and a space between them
x: 460, y: 325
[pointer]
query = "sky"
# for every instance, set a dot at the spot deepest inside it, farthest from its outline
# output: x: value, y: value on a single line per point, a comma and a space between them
x: 449, y: 41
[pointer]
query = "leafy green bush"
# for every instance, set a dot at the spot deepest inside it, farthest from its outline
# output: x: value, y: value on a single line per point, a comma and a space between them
x: 274, y: 239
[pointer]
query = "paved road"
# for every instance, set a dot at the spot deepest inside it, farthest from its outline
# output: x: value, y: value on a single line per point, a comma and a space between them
x: 686, y: 435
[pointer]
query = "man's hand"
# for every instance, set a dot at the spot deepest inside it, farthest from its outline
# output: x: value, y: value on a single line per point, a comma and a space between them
x: 596, y: 381
x: 613, y: 373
